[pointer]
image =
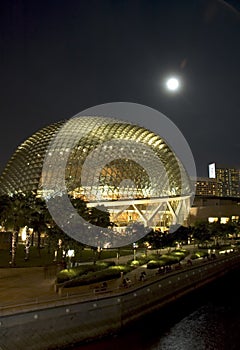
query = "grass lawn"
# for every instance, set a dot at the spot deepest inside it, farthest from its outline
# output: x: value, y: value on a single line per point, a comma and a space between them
x: 88, y: 255
x: 35, y: 259
x: 85, y: 255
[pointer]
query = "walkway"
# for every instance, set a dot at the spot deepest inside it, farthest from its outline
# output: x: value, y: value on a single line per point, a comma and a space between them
x: 22, y: 285
x: 25, y: 285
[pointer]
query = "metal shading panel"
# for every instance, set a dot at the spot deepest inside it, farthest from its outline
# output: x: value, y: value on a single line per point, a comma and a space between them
x: 23, y: 171
x: 126, y: 155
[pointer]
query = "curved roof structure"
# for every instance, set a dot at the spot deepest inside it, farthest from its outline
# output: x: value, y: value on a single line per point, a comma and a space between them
x: 104, y: 158
x: 110, y: 163
x: 23, y: 171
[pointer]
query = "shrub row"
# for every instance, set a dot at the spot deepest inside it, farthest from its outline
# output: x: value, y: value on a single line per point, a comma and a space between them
x: 199, y: 254
x: 180, y: 252
x: 167, y: 259
x: 97, y: 276
x: 139, y: 261
x: 69, y: 274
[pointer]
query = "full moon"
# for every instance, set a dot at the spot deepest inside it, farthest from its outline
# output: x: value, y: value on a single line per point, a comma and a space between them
x: 172, y: 84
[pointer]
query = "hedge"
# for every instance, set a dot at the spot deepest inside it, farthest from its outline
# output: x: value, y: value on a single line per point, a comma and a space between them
x: 154, y: 264
x: 180, y: 253
x: 69, y: 274
x: 93, y: 277
x: 164, y: 260
x: 199, y: 254
x: 142, y: 260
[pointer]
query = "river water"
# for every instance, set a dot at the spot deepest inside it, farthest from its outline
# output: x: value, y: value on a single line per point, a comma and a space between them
x: 208, y: 319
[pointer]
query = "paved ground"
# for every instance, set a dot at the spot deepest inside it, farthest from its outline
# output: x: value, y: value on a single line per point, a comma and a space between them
x: 23, y: 285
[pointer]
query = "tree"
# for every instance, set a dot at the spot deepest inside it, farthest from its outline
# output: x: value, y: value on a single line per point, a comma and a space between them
x: 4, y: 209
x: 181, y: 235
x: 215, y: 231
x: 98, y: 216
x: 81, y: 206
x: 201, y: 232
x: 38, y: 218
x: 232, y: 228
x: 14, y: 214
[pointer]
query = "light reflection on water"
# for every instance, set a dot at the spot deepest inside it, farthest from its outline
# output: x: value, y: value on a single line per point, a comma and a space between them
x: 201, y: 330
x: 207, y: 320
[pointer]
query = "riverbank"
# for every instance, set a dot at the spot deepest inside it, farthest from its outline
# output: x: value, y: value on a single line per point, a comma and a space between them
x: 71, y: 320
x: 19, y: 285
x: 188, y: 323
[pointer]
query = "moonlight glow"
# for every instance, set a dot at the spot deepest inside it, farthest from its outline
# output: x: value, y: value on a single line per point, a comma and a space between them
x: 172, y: 84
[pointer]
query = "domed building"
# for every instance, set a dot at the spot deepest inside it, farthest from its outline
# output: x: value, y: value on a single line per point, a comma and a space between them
x: 125, y: 167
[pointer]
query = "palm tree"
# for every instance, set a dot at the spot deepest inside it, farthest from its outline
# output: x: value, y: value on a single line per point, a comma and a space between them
x: 38, y: 218
x: 4, y: 209
x: 99, y: 216
x: 14, y: 214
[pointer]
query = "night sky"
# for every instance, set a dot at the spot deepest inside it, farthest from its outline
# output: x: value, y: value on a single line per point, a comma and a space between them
x: 59, y: 57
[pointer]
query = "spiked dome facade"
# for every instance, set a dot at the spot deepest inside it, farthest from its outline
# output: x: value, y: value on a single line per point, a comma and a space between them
x: 125, y: 167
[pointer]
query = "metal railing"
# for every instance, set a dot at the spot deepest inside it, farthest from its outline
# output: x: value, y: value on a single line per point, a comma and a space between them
x: 76, y: 295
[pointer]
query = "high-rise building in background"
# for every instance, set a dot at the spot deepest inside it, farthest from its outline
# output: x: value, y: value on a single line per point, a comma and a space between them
x: 217, y: 197
x: 205, y: 186
x: 227, y: 180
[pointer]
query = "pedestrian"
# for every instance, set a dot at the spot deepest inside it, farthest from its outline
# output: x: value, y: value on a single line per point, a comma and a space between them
x: 104, y: 286
x: 124, y: 283
x: 128, y: 281
x: 142, y: 276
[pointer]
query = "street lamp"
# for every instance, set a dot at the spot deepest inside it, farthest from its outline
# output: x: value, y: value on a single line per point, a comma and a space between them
x: 135, y: 246
x: 70, y: 254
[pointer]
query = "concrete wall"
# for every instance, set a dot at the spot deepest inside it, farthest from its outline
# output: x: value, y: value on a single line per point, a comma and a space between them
x: 204, y: 207
x: 53, y: 327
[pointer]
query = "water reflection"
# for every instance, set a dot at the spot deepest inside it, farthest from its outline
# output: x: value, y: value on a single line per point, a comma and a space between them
x: 201, y: 330
x: 207, y: 320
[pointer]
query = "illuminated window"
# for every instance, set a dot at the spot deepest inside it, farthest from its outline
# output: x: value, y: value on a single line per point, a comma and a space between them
x: 224, y: 220
x: 212, y: 219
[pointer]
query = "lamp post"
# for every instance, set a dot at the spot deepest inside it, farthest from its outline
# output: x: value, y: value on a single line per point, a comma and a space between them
x: 70, y: 255
x: 135, y: 246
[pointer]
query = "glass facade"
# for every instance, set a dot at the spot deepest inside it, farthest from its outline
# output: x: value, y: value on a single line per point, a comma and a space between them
x: 125, y: 167
x: 23, y: 171
x: 227, y: 180
x: 206, y: 187
x: 133, y: 161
